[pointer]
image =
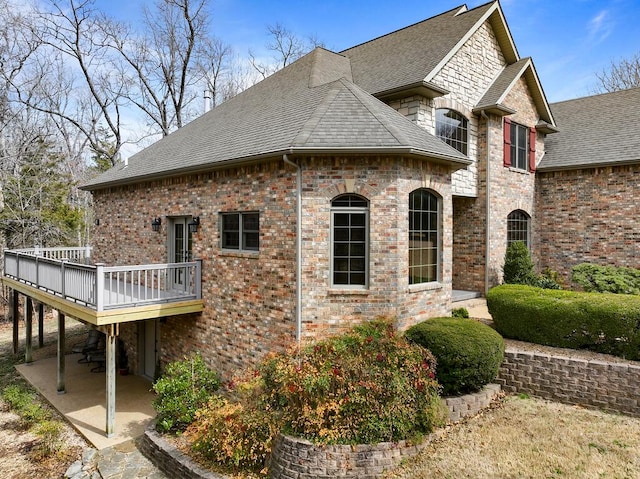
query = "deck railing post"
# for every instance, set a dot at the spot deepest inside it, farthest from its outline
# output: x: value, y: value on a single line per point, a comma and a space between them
x: 198, y: 279
x: 62, y: 279
x: 99, y: 287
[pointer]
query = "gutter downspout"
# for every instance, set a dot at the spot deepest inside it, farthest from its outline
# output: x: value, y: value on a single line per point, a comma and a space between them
x: 487, y: 208
x: 286, y: 159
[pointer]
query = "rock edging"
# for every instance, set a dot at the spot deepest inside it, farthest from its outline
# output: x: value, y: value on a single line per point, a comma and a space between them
x: 294, y: 458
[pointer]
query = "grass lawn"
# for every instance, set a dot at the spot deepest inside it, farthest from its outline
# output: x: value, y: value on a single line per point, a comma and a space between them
x: 532, y: 438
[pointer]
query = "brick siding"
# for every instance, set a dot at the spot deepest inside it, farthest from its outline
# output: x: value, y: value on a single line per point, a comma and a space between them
x: 597, y: 209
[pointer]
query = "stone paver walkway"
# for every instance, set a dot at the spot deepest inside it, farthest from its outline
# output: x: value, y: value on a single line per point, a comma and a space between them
x: 122, y: 461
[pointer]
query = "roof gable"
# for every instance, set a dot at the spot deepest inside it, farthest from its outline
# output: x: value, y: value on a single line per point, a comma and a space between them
x: 494, y: 97
x: 414, y: 55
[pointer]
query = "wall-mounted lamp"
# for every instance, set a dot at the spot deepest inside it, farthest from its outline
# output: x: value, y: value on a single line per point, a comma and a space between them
x: 155, y: 224
x: 193, y: 224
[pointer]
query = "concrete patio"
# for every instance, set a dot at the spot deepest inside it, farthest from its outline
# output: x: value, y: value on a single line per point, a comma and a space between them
x: 83, y: 404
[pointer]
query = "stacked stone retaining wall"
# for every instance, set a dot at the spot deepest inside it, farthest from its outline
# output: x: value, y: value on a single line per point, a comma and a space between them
x: 592, y: 380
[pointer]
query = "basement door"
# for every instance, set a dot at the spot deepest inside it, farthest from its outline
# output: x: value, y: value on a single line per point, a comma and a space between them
x: 149, y: 347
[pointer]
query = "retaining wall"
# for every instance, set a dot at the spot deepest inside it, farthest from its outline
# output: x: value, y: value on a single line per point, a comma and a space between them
x: 599, y: 381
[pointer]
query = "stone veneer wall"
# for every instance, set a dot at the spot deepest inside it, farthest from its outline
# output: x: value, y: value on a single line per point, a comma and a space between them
x: 597, y: 209
x: 599, y: 382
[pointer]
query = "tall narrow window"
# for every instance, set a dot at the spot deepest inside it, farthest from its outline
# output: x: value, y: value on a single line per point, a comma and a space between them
x: 424, y: 236
x: 451, y: 127
x: 349, y: 242
x: 518, y: 227
x: 240, y: 231
x: 519, y: 146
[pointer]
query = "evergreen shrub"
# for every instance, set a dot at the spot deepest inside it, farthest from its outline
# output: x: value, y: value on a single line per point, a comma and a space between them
x: 468, y: 352
x: 606, y: 279
x: 184, y: 387
x: 600, y: 322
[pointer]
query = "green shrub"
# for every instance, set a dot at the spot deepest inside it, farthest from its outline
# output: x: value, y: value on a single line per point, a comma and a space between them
x: 460, y: 313
x: 367, y: 386
x: 604, y: 323
x: 469, y: 353
x: 606, y: 279
x: 24, y: 403
x: 183, y: 388
x: 50, y: 442
x: 518, y: 266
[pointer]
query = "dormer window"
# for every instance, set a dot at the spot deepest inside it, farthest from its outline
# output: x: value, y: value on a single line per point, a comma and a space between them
x: 451, y: 127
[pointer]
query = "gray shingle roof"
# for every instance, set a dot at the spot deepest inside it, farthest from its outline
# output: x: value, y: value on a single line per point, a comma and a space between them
x: 310, y: 106
x: 409, y: 55
x: 500, y: 88
x: 599, y: 130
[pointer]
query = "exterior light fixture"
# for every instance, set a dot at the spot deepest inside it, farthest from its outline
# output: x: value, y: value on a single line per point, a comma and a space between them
x: 155, y: 224
x: 193, y: 224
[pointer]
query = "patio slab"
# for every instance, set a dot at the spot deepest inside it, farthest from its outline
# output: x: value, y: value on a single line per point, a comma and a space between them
x: 84, y: 403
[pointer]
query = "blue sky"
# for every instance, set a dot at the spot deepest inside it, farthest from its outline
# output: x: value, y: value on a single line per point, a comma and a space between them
x: 569, y: 40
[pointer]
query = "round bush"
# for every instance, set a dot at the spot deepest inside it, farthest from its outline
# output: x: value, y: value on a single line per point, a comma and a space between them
x: 468, y: 353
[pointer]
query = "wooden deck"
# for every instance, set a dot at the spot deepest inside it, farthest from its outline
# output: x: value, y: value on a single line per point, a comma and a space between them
x: 99, y: 294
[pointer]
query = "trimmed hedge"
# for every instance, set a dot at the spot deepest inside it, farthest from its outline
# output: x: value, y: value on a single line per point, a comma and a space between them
x: 600, y: 322
x: 468, y: 353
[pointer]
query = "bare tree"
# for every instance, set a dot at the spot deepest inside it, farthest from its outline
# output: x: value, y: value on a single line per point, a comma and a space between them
x: 619, y: 75
x: 286, y: 46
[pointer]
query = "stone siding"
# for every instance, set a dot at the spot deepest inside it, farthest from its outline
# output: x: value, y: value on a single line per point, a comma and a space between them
x: 597, y: 209
x: 600, y: 382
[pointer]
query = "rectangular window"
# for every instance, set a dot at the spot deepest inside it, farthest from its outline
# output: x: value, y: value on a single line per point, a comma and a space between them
x: 519, y: 146
x: 240, y: 231
x: 424, y: 236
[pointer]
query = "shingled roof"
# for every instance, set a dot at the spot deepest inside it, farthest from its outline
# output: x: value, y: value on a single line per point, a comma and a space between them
x: 599, y: 130
x: 495, y: 96
x: 309, y: 107
x: 415, y: 54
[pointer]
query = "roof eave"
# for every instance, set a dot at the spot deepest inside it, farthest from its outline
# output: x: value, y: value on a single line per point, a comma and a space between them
x: 422, y: 88
x: 586, y: 166
x: 546, y: 128
x: 495, y: 109
x: 454, y: 162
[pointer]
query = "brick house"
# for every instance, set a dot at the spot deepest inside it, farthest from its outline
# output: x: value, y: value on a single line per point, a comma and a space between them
x: 346, y: 186
x: 587, y: 183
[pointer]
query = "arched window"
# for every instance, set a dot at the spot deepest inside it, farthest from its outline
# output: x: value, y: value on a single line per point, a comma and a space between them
x: 424, y: 236
x: 451, y: 127
x: 349, y: 241
x: 518, y: 227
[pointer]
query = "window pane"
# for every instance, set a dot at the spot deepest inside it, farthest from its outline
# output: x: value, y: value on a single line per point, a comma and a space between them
x: 424, y: 226
x: 341, y: 234
x: 451, y: 127
x: 231, y: 222
x: 230, y: 240
x: 250, y: 222
x: 251, y: 241
x: 349, y: 242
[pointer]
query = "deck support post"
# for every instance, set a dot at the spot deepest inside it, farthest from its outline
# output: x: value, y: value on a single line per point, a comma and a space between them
x: 40, y: 325
x: 15, y: 315
x: 61, y: 357
x: 28, y: 320
x: 110, y: 368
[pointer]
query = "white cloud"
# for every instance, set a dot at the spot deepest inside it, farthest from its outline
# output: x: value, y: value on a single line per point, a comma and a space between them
x: 600, y: 26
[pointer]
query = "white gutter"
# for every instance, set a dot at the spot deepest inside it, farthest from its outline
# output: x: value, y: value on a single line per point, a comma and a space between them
x: 488, y: 208
x: 286, y: 159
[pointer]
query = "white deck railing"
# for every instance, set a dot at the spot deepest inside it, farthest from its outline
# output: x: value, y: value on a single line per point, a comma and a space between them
x: 60, y: 271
